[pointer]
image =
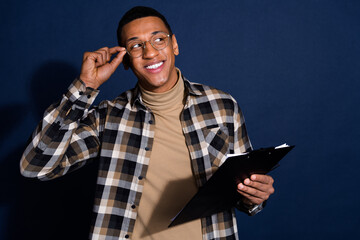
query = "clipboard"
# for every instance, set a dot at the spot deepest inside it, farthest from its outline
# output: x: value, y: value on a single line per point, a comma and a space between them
x: 219, y: 192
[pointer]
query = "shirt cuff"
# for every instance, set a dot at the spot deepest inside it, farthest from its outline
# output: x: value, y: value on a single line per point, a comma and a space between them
x: 77, y: 101
x: 81, y: 95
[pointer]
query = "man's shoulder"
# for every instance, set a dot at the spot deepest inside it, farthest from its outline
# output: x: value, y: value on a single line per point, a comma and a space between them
x: 206, y: 91
x: 121, y: 101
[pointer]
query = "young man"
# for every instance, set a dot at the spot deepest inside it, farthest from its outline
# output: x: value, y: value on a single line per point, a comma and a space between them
x: 156, y: 143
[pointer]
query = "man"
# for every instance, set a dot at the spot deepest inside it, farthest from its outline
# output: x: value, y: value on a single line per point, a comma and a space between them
x: 156, y: 143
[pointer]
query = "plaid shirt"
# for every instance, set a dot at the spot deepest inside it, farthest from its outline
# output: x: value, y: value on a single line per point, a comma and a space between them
x: 121, y: 134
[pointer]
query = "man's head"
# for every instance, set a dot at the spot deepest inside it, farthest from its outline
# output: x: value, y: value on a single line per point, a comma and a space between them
x: 154, y: 67
x: 139, y: 12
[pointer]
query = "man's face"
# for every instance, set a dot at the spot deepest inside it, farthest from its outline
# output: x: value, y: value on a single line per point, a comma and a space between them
x: 155, y: 69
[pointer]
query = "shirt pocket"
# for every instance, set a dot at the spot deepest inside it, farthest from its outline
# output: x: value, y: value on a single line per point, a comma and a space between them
x: 217, y: 141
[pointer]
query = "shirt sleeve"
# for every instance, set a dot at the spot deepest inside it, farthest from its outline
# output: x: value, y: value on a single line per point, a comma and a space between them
x: 242, y: 144
x: 66, y: 137
x: 241, y: 138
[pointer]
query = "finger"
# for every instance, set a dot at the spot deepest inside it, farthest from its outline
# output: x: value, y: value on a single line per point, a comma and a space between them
x: 253, y: 191
x: 106, y: 53
x: 115, y: 50
x: 102, y: 56
x: 252, y: 199
x: 266, y: 179
x: 117, y: 60
x: 86, y: 55
x: 98, y: 59
x: 267, y: 188
x: 93, y: 57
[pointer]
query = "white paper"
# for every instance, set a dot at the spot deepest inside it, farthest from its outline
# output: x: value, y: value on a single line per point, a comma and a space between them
x: 282, y: 146
x: 239, y: 154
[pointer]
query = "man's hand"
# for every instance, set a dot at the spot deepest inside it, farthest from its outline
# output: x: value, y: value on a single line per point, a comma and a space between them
x: 257, y: 189
x: 97, y: 68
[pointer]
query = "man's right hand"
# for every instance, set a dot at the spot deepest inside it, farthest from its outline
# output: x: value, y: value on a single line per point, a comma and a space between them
x: 97, y: 68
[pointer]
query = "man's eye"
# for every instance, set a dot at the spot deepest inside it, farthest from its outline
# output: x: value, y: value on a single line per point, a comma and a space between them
x: 136, y: 46
x: 159, y: 39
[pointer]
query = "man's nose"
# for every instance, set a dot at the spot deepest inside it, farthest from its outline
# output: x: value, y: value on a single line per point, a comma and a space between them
x: 149, y: 51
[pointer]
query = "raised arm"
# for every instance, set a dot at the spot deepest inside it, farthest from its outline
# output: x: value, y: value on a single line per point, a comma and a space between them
x: 69, y: 133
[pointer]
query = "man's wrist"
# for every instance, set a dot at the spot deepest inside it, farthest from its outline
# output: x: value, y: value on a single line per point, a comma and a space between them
x: 89, y: 84
x: 255, y: 209
x: 249, y: 208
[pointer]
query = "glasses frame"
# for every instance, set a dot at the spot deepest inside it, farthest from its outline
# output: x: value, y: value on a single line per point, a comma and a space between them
x: 144, y: 44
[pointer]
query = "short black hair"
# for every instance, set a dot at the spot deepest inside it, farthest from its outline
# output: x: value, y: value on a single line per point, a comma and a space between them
x: 139, y: 12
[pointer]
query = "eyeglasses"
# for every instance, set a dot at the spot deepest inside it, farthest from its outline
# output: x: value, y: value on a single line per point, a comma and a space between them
x: 135, y: 48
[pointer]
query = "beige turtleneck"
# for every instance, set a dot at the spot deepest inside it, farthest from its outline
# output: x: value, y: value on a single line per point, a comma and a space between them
x: 169, y: 182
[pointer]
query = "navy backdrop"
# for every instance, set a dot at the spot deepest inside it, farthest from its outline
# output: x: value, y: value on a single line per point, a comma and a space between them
x: 293, y: 66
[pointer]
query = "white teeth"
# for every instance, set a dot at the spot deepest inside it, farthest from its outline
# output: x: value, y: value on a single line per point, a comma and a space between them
x: 155, y: 65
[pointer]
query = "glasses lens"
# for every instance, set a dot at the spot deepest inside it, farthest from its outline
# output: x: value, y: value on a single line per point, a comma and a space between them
x: 135, y: 48
x: 160, y: 41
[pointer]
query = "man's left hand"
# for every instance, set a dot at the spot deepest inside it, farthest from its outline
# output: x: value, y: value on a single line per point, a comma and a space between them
x: 256, y: 189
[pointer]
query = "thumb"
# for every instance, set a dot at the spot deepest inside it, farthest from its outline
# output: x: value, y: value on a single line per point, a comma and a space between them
x: 117, y: 60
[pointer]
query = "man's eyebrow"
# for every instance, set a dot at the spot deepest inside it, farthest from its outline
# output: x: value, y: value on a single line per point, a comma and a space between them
x: 156, y: 32
x: 135, y: 38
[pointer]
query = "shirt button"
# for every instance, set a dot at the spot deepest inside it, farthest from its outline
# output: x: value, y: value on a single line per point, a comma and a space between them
x: 140, y: 177
x: 151, y: 121
x: 127, y: 236
x: 89, y: 96
x: 147, y: 149
x: 81, y: 93
x: 133, y: 206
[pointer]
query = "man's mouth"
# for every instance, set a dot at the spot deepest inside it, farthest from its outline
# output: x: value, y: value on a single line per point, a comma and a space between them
x: 155, y: 66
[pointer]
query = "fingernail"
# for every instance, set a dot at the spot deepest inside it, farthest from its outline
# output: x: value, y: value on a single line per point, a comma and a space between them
x: 241, y: 186
x: 247, y: 181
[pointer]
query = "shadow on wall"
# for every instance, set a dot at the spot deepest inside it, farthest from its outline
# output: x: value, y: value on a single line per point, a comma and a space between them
x: 48, y: 84
x: 58, y: 209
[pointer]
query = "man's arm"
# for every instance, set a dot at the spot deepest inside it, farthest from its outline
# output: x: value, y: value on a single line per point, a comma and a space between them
x: 62, y: 139
x: 68, y: 135
x: 258, y: 188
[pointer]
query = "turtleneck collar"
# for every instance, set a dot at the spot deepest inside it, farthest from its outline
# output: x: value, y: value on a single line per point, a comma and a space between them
x: 166, y: 101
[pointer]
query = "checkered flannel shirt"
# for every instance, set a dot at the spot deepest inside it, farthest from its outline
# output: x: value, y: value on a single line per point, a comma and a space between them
x: 121, y: 134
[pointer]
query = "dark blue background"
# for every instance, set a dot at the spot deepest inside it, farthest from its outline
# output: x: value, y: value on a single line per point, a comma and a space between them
x: 293, y: 66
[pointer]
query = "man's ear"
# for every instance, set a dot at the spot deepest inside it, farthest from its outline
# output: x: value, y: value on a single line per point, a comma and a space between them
x: 126, y: 62
x: 175, y: 45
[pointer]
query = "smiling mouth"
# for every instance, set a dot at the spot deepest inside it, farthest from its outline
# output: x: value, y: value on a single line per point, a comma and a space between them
x: 155, y: 66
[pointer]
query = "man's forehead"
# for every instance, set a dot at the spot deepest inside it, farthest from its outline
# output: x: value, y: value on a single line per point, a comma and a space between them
x: 143, y: 26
